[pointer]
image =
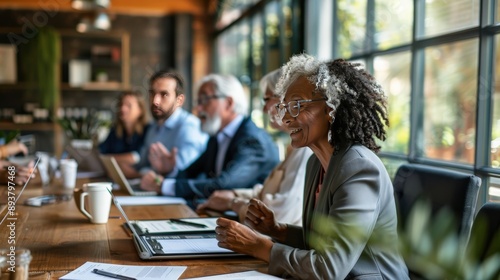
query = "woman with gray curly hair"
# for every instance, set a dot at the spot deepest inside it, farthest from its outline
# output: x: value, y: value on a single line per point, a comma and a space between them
x: 349, y: 214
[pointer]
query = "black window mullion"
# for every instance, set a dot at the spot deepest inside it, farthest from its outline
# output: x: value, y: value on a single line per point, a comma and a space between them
x: 298, y: 17
x: 281, y: 27
x: 254, y: 91
x: 417, y: 74
x: 369, y: 44
x: 335, y: 30
x: 484, y: 98
x: 265, y: 52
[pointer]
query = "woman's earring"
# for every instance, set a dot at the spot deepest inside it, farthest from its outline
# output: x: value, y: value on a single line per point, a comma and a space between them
x: 330, y: 129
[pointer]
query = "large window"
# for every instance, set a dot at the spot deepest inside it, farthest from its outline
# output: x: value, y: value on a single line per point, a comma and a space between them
x: 437, y: 61
x: 441, y: 16
x: 393, y: 73
x: 254, y: 38
x: 393, y: 22
x: 450, y: 85
x: 495, y: 123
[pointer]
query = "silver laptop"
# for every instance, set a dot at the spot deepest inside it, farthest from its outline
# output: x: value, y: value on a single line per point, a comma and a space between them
x: 115, y: 173
x: 89, y: 163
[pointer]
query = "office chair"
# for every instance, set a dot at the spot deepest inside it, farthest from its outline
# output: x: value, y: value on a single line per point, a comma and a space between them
x: 441, y: 190
x: 484, y: 239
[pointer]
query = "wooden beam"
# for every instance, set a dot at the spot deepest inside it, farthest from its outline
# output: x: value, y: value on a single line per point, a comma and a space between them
x: 131, y: 7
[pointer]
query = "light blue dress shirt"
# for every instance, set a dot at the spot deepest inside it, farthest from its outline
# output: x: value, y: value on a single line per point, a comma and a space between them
x: 224, y: 138
x: 181, y: 130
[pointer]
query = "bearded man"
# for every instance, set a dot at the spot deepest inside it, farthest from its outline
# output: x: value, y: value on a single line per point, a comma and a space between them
x: 175, y: 134
x: 238, y: 153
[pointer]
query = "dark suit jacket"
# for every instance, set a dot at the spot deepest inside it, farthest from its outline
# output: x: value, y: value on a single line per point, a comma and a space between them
x: 357, y: 195
x: 250, y: 157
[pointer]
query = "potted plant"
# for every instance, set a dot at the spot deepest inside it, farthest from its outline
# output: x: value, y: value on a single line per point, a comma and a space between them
x: 82, y: 131
x: 430, y: 245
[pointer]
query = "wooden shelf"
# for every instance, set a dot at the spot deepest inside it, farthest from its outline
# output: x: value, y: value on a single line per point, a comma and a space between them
x: 42, y: 126
x: 105, y: 62
x: 107, y: 86
x: 16, y: 86
x: 72, y: 44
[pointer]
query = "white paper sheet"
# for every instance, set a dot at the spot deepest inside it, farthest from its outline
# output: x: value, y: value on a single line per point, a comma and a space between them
x: 139, y: 272
x: 190, y: 246
x: 149, y: 200
x: 167, y: 226
x: 250, y: 275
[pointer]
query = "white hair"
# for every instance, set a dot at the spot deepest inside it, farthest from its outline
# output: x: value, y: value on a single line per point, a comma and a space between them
x: 269, y: 81
x: 229, y: 86
x: 316, y: 72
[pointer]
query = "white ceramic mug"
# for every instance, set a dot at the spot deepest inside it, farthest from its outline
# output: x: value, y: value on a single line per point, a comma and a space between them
x: 68, y: 172
x: 99, y: 195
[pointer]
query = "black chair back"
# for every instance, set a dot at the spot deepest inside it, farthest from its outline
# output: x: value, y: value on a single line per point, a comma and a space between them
x: 440, y: 187
x: 439, y: 190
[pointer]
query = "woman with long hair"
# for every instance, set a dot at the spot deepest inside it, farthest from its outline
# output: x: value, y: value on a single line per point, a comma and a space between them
x: 130, y: 126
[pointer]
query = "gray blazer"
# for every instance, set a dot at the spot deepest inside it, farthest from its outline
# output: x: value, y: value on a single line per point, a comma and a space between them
x: 357, y: 193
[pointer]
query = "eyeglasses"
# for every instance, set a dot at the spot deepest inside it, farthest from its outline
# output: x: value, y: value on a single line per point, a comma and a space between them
x: 293, y: 107
x: 202, y: 100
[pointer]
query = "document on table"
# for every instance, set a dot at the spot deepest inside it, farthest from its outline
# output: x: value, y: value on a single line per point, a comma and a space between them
x: 184, y: 244
x: 250, y: 275
x: 138, y: 272
x: 175, y: 225
x: 149, y: 200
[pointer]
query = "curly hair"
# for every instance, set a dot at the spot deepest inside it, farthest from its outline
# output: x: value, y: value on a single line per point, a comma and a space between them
x: 362, y: 113
x: 359, y: 105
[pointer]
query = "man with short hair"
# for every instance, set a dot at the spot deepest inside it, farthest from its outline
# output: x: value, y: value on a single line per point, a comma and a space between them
x: 238, y: 153
x: 176, y: 133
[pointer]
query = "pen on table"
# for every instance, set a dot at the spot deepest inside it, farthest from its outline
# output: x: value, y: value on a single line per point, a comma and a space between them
x: 112, y: 275
x: 181, y: 222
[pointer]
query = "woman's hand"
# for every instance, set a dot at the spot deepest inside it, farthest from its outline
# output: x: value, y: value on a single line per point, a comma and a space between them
x: 12, y: 148
x: 242, y: 239
x: 261, y: 218
x: 22, y: 173
x: 219, y: 200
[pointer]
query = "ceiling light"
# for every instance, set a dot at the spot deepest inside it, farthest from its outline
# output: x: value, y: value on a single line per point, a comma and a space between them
x: 102, y: 22
x: 84, y: 25
x: 90, y: 4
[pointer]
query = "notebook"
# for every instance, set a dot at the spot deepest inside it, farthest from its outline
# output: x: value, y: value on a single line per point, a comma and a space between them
x: 115, y: 173
x: 175, y: 238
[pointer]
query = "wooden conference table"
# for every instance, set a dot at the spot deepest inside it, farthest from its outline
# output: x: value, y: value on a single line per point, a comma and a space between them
x: 61, y: 239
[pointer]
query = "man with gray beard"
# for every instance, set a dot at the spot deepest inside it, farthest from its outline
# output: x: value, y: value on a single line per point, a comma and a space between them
x: 238, y: 153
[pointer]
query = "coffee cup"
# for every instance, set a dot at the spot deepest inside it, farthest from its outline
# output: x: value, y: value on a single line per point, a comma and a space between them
x: 99, y: 201
x: 68, y: 169
x: 77, y: 194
